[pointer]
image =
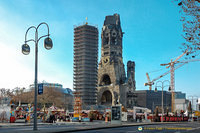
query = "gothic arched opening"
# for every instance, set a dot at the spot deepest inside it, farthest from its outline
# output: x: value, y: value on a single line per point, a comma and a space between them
x: 106, y: 80
x: 106, y: 98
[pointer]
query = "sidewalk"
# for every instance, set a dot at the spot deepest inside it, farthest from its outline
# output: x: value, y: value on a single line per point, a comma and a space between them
x: 20, y: 123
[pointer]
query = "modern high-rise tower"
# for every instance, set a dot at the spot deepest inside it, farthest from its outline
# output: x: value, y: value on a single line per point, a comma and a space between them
x: 85, y: 63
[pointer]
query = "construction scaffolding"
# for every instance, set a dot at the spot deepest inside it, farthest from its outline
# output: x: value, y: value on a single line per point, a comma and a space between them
x: 85, y: 63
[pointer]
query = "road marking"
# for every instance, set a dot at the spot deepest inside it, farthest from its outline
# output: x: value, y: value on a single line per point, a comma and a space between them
x: 194, y: 128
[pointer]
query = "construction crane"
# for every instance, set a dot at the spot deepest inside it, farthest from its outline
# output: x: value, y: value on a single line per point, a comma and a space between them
x: 171, y: 65
x: 150, y: 83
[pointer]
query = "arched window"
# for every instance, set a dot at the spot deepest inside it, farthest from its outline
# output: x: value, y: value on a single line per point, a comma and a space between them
x: 105, y: 80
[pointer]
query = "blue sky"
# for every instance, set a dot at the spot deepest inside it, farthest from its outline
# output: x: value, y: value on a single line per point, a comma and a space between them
x: 152, y: 37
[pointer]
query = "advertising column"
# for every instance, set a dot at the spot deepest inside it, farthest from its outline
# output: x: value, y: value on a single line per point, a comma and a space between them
x: 116, y: 114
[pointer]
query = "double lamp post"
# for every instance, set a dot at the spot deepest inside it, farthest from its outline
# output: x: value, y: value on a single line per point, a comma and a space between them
x: 26, y: 50
x: 162, y: 86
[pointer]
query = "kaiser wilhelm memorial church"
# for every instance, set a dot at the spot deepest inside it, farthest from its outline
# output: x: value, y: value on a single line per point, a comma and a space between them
x: 113, y: 85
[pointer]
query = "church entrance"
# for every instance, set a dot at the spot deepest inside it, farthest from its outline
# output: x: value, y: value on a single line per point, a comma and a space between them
x: 106, y: 98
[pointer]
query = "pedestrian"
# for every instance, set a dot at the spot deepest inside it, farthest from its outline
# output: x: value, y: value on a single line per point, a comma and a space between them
x: 25, y: 116
x: 79, y: 118
x: 54, y: 119
x: 51, y: 118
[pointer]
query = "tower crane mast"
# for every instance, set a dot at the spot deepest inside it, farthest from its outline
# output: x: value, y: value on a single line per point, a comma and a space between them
x: 171, y: 65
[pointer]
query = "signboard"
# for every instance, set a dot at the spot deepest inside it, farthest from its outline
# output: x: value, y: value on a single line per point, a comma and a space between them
x: 116, y: 114
x: 124, y: 116
x: 40, y: 89
x: 197, y: 113
x: 108, y: 110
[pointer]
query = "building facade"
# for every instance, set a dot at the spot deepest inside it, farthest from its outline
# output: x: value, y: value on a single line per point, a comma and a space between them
x: 113, y: 84
x: 180, y: 95
x: 150, y: 99
x: 181, y: 103
x: 85, y: 63
x: 47, y: 85
x: 65, y: 94
x: 198, y: 104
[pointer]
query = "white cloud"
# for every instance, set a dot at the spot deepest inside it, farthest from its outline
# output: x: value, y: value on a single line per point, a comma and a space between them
x: 12, y: 72
x: 16, y: 69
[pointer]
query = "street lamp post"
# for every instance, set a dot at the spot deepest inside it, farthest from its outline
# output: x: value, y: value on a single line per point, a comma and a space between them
x: 26, y: 50
x: 193, y: 98
x: 162, y: 82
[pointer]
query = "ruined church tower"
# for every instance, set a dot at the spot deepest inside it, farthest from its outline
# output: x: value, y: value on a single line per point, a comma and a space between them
x: 112, y: 86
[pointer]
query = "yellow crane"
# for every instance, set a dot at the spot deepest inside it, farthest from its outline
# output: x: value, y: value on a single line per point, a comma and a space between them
x: 171, y: 65
x: 172, y: 68
x: 150, y: 83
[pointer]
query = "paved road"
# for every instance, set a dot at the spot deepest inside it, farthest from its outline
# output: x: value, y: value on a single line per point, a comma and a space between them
x: 163, y: 128
x: 41, y: 128
x: 190, y: 127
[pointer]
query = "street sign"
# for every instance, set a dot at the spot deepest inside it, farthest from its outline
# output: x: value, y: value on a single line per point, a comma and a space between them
x: 40, y: 89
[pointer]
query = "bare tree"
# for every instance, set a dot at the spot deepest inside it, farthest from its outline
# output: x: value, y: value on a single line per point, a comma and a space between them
x: 6, y: 93
x: 19, y: 94
x: 51, y: 96
x: 190, y: 16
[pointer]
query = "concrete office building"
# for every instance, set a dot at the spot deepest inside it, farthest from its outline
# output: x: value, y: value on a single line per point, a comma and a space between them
x: 181, y: 103
x: 150, y: 99
x: 85, y: 63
